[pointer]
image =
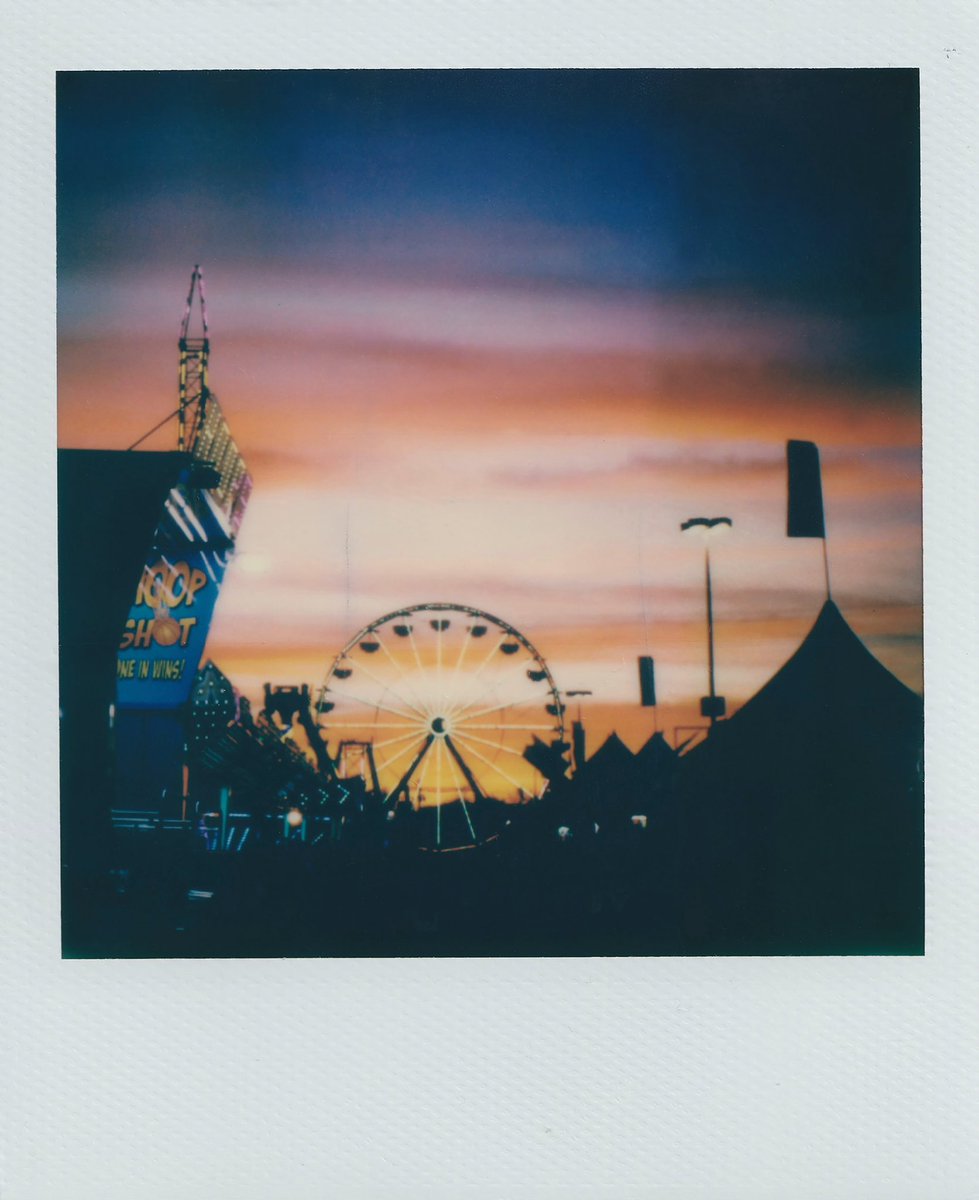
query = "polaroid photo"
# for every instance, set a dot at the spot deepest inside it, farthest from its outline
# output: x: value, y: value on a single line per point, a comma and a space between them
x: 487, y: 562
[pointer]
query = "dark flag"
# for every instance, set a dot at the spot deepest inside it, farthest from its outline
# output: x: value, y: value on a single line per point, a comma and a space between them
x: 805, y: 491
x: 647, y: 682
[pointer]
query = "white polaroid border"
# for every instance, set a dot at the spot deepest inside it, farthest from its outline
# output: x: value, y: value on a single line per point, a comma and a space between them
x: 497, y: 1078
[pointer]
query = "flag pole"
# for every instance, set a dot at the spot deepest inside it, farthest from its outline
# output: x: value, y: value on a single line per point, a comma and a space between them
x: 710, y: 633
x: 829, y: 595
x: 712, y: 706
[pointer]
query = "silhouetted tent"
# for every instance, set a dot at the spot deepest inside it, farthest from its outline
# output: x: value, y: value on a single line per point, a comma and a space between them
x: 604, y: 786
x: 797, y: 827
x: 614, y: 783
x: 656, y: 760
x: 612, y: 761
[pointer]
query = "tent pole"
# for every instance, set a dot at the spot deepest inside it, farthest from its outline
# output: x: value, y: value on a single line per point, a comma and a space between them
x: 826, y: 567
x: 710, y: 633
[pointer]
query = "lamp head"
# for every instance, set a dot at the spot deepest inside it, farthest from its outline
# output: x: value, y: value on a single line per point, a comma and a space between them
x: 707, y: 527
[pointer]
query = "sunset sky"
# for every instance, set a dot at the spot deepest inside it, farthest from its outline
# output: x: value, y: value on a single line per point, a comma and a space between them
x: 489, y: 337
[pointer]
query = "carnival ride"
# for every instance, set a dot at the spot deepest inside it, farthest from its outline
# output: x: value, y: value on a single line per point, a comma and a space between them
x: 451, y: 715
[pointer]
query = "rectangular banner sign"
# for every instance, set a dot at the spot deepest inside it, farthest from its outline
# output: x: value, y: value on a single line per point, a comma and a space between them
x: 164, y: 635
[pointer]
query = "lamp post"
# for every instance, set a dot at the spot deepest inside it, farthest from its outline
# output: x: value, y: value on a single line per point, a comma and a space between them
x: 578, y: 747
x: 578, y: 692
x: 712, y: 706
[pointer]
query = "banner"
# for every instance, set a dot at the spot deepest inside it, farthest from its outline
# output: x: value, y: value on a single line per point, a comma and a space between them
x: 647, y: 682
x: 805, y: 515
x: 164, y: 635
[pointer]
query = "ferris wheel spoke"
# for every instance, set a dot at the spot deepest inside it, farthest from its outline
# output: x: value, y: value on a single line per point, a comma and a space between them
x: 491, y: 689
x: 484, y: 663
x: 414, y: 649
x: 386, y: 687
x: 394, y: 740
x: 440, y: 676
x: 375, y: 704
x: 491, y: 685
x: 438, y: 794
x: 510, y: 663
x: 438, y: 767
x: 419, y: 703
x: 385, y: 766
x: 461, y: 717
x: 462, y: 798
x: 418, y: 657
x: 470, y: 778
x: 462, y: 654
x: 405, y: 780
x: 365, y: 725
x: 489, y: 763
x: 493, y: 745
x: 424, y: 787
x: 420, y: 783
x: 465, y: 813
x: 524, y: 714
x: 548, y: 728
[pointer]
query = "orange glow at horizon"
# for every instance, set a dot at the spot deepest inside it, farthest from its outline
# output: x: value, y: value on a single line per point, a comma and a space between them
x: 406, y: 449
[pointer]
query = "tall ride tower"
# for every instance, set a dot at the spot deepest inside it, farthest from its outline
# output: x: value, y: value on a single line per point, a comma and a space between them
x: 185, y: 561
x: 202, y: 430
x: 193, y: 363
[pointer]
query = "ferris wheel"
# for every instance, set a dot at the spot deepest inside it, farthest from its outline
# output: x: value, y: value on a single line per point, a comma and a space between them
x: 442, y: 700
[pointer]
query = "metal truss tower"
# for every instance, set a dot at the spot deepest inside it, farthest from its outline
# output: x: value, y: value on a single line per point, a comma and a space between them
x: 194, y: 351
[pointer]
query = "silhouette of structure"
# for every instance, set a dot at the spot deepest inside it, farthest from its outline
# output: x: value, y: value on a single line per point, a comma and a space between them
x: 614, y: 786
x: 798, y: 826
x: 143, y: 542
x: 795, y: 828
x: 109, y: 508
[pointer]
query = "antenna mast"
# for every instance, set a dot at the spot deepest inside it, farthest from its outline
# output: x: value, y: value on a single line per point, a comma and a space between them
x: 194, y: 353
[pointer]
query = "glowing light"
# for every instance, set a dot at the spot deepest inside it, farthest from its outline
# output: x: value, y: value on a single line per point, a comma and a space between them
x: 179, y: 521
x: 254, y: 564
x: 189, y: 513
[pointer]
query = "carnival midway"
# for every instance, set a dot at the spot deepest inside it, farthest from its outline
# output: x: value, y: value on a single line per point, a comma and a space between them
x: 435, y: 791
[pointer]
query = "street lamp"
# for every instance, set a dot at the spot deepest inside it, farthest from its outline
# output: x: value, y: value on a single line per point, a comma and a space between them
x: 578, y: 692
x: 578, y: 748
x: 712, y: 706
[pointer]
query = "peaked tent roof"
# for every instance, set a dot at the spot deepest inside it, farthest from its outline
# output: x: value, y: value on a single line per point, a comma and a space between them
x: 802, y: 815
x: 612, y: 755
x: 656, y: 755
x: 831, y: 670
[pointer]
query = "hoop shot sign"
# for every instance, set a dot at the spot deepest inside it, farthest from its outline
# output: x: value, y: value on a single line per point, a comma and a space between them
x: 164, y: 634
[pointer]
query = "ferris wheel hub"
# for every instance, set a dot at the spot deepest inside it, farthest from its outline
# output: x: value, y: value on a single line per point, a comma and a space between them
x: 440, y: 726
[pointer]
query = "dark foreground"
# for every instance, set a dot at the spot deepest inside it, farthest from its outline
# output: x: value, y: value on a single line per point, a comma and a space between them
x: 165, y: 897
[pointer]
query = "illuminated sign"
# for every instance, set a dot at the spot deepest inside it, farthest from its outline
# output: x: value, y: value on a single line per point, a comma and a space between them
x: 164, y: 635
x: 213, y: 443
x: 163, y: 638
